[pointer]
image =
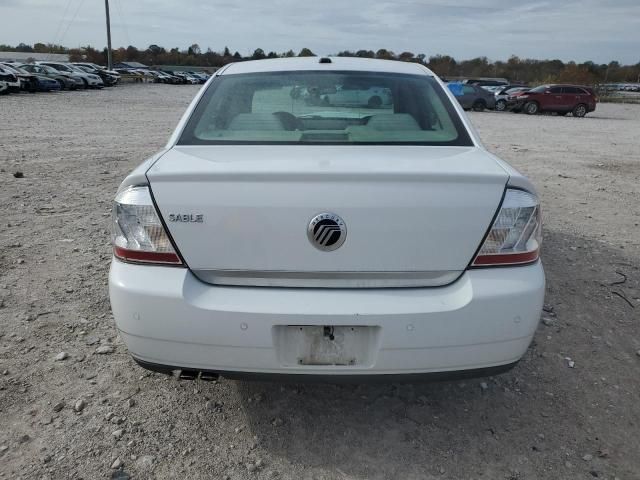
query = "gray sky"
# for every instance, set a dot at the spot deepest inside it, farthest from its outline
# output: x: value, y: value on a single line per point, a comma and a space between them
x: 567, y: 29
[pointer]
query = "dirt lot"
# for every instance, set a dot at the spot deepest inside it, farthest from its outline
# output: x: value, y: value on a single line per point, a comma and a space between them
x: 85, y: 415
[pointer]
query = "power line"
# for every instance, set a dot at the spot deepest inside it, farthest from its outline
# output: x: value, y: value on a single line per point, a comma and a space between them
x: 72, y: 19
x: 64, y: 15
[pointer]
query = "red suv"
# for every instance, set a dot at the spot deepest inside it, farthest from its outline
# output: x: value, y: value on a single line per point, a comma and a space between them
x: 562, y: 99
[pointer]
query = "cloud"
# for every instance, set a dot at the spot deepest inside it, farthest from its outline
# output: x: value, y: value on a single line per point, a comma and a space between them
x: 578, y: 30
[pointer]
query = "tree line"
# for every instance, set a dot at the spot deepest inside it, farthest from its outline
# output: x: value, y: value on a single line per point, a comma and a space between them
x: 516, y: 69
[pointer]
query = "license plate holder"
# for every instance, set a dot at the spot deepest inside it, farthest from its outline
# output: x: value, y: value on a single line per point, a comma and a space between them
x: 329, y: 345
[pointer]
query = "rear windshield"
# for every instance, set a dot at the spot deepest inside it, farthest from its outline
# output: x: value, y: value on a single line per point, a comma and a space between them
x: 325, y: 107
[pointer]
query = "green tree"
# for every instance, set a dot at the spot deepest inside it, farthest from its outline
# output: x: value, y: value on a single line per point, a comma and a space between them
x: 305, y: 52
x: 23, y: 47
x: 132, y: 54
x: 442, y: 65
x: 407, y: 57
x: 258, y: 54
x: 365, y: 54
x: 384, y: 54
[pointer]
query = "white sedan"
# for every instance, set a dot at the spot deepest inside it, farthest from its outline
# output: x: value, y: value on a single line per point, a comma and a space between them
x: 273, y: 238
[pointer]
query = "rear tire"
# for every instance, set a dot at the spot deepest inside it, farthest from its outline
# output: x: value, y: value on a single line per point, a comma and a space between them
x: 532, y: 108
x: 501, y: 106
x: 580, y: 110
x: 62, y: 85
x: 479, y: 106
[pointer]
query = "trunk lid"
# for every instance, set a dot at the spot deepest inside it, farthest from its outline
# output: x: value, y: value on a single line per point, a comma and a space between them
x: 414, y: 216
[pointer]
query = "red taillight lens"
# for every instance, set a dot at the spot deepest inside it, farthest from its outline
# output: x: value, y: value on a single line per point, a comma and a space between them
x: 138, y: 234
x: 516, y: 233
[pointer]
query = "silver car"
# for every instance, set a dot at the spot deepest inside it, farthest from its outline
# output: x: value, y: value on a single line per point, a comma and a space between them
x: 473, y: 97
x: 88, y: 79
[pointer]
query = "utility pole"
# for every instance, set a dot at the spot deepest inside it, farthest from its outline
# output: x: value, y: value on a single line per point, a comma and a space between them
x: 109, y: 60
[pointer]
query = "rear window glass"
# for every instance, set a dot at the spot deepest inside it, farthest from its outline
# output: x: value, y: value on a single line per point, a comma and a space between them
x: 325, y: 107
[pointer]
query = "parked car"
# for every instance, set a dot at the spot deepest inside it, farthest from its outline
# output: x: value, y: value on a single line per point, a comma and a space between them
x: 131, y: 75
x: 355, y: 95
x: 11, y: 80
x: 178, y: 79
x: 28, y: 81
x: 202, y: 78
x: 89, y: 80
x: 562, y: 99
x: 168, y: 78
x: 173, y: 79
x: 187, y: 78
x: 99, y: 68
x: 37, y: 83
x: 64, y: 79
x: 5, y: 80
x: 107, y: 79
x: 472, y: 97
x: 505, y: 96
x: 484, y: 82
x: 275, y: 239
x: 161, y: 77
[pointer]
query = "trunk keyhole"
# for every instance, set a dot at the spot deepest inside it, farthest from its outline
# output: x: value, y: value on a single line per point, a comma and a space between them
x: 328, y: 332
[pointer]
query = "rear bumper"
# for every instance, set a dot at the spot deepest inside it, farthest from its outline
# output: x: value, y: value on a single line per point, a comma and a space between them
x: 167, y: 317
x: 192, y: 374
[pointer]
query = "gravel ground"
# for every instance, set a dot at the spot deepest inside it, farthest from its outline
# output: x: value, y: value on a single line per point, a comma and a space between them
x: 74, y: 405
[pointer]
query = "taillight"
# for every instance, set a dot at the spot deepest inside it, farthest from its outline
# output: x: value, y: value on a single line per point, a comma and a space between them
x: 516, y: 233
x: 138, y: 234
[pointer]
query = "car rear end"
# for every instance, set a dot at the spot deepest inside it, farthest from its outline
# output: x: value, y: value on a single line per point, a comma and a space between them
x: 346, y: 242
x: 46, y: 84
x: 592, y: 98
x: 11, y: 81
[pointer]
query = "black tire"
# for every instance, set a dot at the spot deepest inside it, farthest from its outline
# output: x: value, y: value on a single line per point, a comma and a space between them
x: 479, y: 106
x: 62, y: 85
x: 86, y: 84
x: 375, y: 102
x: 579, y: 110
x: 501, y: 106
x: 532, y: 108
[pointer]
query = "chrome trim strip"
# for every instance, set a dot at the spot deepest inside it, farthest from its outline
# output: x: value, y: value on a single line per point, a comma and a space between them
x: 322, y: 279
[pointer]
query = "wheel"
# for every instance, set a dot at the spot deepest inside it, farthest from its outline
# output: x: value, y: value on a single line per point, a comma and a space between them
x: 86, y: 84
x: 375, y: 102
x: 62, y: 85
x: 479, y: 106
x: 501, y: 106
x: 531, y: 108
x: 580, y: 110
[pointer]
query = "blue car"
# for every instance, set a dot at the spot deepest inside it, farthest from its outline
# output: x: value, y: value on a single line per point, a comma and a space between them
x: 46, y: 84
